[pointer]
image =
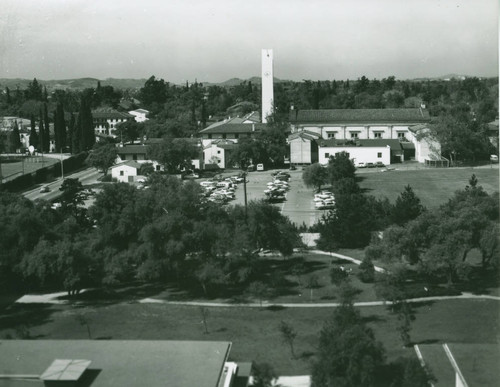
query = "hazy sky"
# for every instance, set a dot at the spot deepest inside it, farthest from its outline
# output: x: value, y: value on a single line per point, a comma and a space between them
x: 214, y: 40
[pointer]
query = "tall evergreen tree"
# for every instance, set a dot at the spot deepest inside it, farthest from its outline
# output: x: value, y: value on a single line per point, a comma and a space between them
x: 46, y: 139
x: 41, y: 131
x: 33, y: 135
x: 84, y: 136
x: 45, y: 94
x: 71, y: 132
x: 15, y: 141
x: 60, y: 128
x: 9, y: 98
x: 34, y: 91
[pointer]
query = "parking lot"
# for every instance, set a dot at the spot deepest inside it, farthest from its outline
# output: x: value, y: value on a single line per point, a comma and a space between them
x: 299, y: 205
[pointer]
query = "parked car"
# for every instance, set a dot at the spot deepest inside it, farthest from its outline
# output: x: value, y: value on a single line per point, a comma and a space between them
x: 361, y: 165
x: 260, y: 167
x: 380, y: 164
x: 44, y: 189
x: 370, y: 165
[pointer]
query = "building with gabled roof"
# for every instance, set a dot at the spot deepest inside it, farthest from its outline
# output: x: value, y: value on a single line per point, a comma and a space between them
x: 106, y: 119
x: 116, y: 363
x: 358, y: 123
x: 140, y: 115
x: 231, y: 129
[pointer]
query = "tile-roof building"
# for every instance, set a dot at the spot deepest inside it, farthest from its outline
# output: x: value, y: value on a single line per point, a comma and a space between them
x: 106, y: 119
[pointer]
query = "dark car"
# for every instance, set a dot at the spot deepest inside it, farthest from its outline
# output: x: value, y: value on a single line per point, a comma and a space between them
x: 380, y: 164
x: 44, y: 189
x: 370, y: 165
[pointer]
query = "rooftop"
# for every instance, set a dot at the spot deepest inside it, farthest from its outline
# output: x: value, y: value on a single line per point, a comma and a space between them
x: 233, y: 128
x: 361, y: 116
x: 109, y: 113
x: 118, y: 363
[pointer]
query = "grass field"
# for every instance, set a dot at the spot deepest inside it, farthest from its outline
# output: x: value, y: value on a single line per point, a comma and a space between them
x: 433, y: 186
x: 253, y: 332
x: 30, y: 164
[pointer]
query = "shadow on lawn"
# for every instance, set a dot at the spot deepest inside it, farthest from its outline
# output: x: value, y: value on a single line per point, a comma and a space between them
x: 19, y: 318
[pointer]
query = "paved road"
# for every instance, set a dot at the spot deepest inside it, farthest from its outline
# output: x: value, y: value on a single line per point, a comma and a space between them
x: 87, y: 177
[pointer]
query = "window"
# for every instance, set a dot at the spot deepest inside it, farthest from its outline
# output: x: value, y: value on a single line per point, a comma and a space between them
x: 121, y: 173
x: 379, y: 155
x: 354, y: 134
x: 224, y: 136
x: 327, y: 155
x: 134, y: 157
x: 218, y: 152
x: 236, y: 136
x: 209, y: 136
x: 330, y: 134
x: 377, y: 135
x: 401, y: 135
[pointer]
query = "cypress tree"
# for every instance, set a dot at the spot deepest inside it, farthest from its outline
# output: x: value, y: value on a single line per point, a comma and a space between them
x: 15, y: 141
x: 59, y: 128
x: 33, y: 134
x: 71, y: 131
x: 9, y: 99
x: 41, y: 131
x: 45, y: 94
x: 84, y: 136
x: 46, y: 140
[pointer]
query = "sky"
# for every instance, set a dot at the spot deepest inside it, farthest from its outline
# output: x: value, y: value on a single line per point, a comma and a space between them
x: 215, y: 40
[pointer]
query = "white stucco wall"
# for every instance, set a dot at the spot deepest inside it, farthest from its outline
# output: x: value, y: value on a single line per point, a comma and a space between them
x: 300, y: 151
x: 216, y: 153
x: 127, y: 170
x: 357, y: 154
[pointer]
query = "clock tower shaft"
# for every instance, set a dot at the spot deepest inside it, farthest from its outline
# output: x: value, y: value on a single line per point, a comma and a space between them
x: 267, y: 84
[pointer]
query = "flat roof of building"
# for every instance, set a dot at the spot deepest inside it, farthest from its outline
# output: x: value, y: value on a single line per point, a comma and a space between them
x: 118, y: 363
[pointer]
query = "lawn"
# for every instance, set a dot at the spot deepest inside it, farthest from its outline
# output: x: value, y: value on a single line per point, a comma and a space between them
x: 433, y: 186
x: 253, y: 332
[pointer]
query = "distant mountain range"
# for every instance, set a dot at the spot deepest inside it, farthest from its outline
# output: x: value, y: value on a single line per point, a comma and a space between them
x: 127, y: 83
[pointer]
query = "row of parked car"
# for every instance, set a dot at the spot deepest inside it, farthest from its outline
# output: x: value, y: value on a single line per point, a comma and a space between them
x: 276, y: 189
x: 324, y: 200
x: 221, y: 190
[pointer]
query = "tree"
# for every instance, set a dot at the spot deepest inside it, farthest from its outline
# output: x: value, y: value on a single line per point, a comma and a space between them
x: 366, y: 270
x: 102, y: 157
x: 288, y: 335
x: 154, y: 91
x: 348, y: 354
x: 340, y: 166
x: 174, y: 154
x: 46, y: 138
x: 72, y: 198
x: 258, y: 290
x: 33, y: 134
x: 15, y: 140
x: 127, y: 131
x: 407, y: 207
x: 263, y: 375
x: 60, y: 128
x: 43, y: 133
x: 83, y: 134
x: 312, y: 283
x: 314, y: 176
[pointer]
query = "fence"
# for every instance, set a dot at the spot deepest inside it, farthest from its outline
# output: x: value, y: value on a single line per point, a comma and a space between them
x: 41, y: 175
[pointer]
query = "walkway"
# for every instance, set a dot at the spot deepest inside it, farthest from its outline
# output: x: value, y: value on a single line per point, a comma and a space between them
x: 354, y: 260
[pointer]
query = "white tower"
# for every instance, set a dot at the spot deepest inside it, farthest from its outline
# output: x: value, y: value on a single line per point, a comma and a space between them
x: 267, y: 84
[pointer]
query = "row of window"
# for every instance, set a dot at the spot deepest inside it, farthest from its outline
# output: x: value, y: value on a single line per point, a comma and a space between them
x: 327, y: 155
x: 331, y: 135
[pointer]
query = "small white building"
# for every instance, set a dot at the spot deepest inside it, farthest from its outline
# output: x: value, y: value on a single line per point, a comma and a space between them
x: 106, y: 119
x: 140, y: 115
x: 126, y: 172
x: 426, y: 146
x: 218, y: 152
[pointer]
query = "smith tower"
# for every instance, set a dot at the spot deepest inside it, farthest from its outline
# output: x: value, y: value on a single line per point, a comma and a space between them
x: 267, y: 84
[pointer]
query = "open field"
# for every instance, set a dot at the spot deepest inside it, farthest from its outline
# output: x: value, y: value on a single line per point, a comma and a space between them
x: 254, y: 332
x: 433, y: 186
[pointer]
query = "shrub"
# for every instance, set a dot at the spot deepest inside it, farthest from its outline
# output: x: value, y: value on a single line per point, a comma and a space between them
x: 366, y: 271
x: 338, y: 275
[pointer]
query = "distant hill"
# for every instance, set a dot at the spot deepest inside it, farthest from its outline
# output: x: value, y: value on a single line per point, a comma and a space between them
x: 76, y: 84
